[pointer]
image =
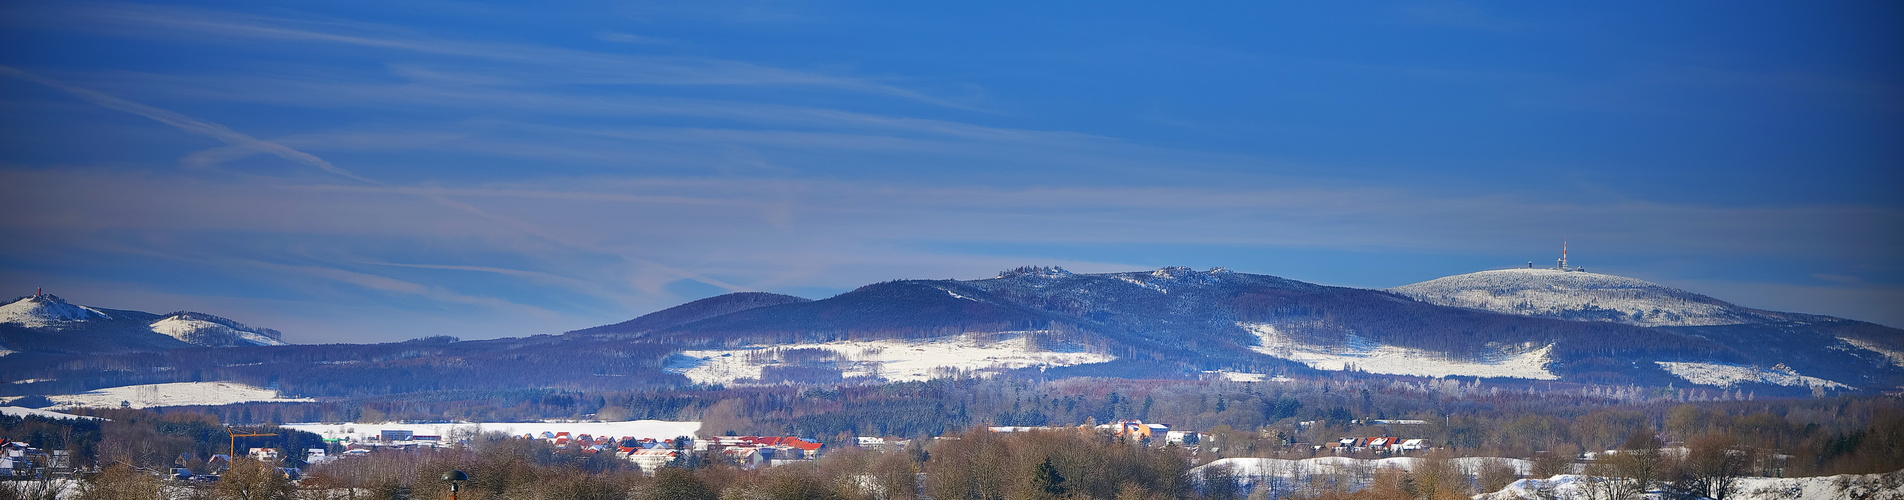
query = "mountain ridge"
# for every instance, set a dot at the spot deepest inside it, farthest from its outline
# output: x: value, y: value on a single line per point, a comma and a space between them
x: 46, y: 322
x: 1046, y: 322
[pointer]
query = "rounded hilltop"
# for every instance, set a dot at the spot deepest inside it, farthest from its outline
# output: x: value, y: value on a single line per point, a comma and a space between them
x: 45, y: 309
x: 1579, y: 296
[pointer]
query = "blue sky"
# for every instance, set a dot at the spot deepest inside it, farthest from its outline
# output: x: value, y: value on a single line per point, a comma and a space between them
x: 371, y: 171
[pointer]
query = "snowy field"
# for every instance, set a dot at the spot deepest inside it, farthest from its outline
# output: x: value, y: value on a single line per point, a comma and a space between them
x: 174, y: 394
x: 893, y: 360
x: 1861, y: 486
x: 15, y: 411
x: 1728, y: 376
x: 657, y: 429
x: 1229, y: 376
x: 1394, y: 360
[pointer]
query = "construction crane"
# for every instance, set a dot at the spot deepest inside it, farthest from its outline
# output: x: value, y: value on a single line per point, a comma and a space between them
x: 233, y: 454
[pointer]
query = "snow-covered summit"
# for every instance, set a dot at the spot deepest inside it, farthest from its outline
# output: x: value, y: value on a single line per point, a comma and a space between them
x: 212, y: 331
x: 37, y: 311
x: 1036, y: 272
x: 1579, y: 296
x: 47, y: 323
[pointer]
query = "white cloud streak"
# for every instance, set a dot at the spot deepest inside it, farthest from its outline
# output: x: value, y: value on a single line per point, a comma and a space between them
x: 574, y: 66
x: 235, y: 138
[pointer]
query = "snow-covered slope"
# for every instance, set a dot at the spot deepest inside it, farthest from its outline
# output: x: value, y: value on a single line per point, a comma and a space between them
x: 47, y: 323
x: 1811, y: 351
x: 1580, y: 296
x: 38, y: 311
x: 15, y: 411
x: 212, y: 331
x: 892, y: 360
x: 1528, y: 363
x: 1729, y: 376
x: 174, y: 394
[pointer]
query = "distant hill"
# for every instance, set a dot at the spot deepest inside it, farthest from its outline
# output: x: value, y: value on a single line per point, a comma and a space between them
x: 1205, y: 320
x: 691, y: 312
x: 1582, y: 296
x: 1769, y: 344
x: 47, y: 323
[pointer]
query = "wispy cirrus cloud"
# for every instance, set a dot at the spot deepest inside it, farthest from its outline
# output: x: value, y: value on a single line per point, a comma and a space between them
x: 551, y: 63
x: 592, y: 167
x: 840, y: 233
x: 238, y: 139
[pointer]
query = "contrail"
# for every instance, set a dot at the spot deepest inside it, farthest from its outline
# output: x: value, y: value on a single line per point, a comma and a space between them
x: 240, y: 139
x: 189, y: 124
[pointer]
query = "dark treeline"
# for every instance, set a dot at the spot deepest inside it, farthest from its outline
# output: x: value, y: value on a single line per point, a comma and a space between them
x: 1249, y: 419
x: 150, y: 439
x: 425, y: 365
x: 974, y: 464
x: 1776, y: 437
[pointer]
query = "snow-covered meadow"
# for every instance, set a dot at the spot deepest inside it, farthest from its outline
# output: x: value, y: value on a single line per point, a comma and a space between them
x: 1728, y: 376
x: 892, y: 360
x: 15, y: 411
x: 188, y: 328
x: 173, y: 394
x: 1394, y: 360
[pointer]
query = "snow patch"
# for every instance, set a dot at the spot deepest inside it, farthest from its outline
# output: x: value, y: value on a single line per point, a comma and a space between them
x: 1393, y: 360
x: 1896, y: 357
x: 956, y: 295
x: 15, y: 411
x: 1723, y: 375
x: 892, y: 360
x: 173, y: 394
x: 1144, y: 284
x: 1229, y: 376
x: 1281, y: 478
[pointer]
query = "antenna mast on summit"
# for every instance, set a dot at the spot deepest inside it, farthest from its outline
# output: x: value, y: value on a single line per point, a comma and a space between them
x: 1562, y: 264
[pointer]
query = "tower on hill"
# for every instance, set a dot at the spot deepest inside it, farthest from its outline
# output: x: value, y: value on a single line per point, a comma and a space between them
x: 1562, y: 263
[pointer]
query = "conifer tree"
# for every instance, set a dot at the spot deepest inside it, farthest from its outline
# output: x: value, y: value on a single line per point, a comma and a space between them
x: 1047, y: 479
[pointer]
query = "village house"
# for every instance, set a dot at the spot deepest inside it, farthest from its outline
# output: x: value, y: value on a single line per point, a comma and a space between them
x: 266, y: 454
x: 1135, y: 430
x: 883, y: 444
x: 651, y: 459
x: 1382, y: 444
